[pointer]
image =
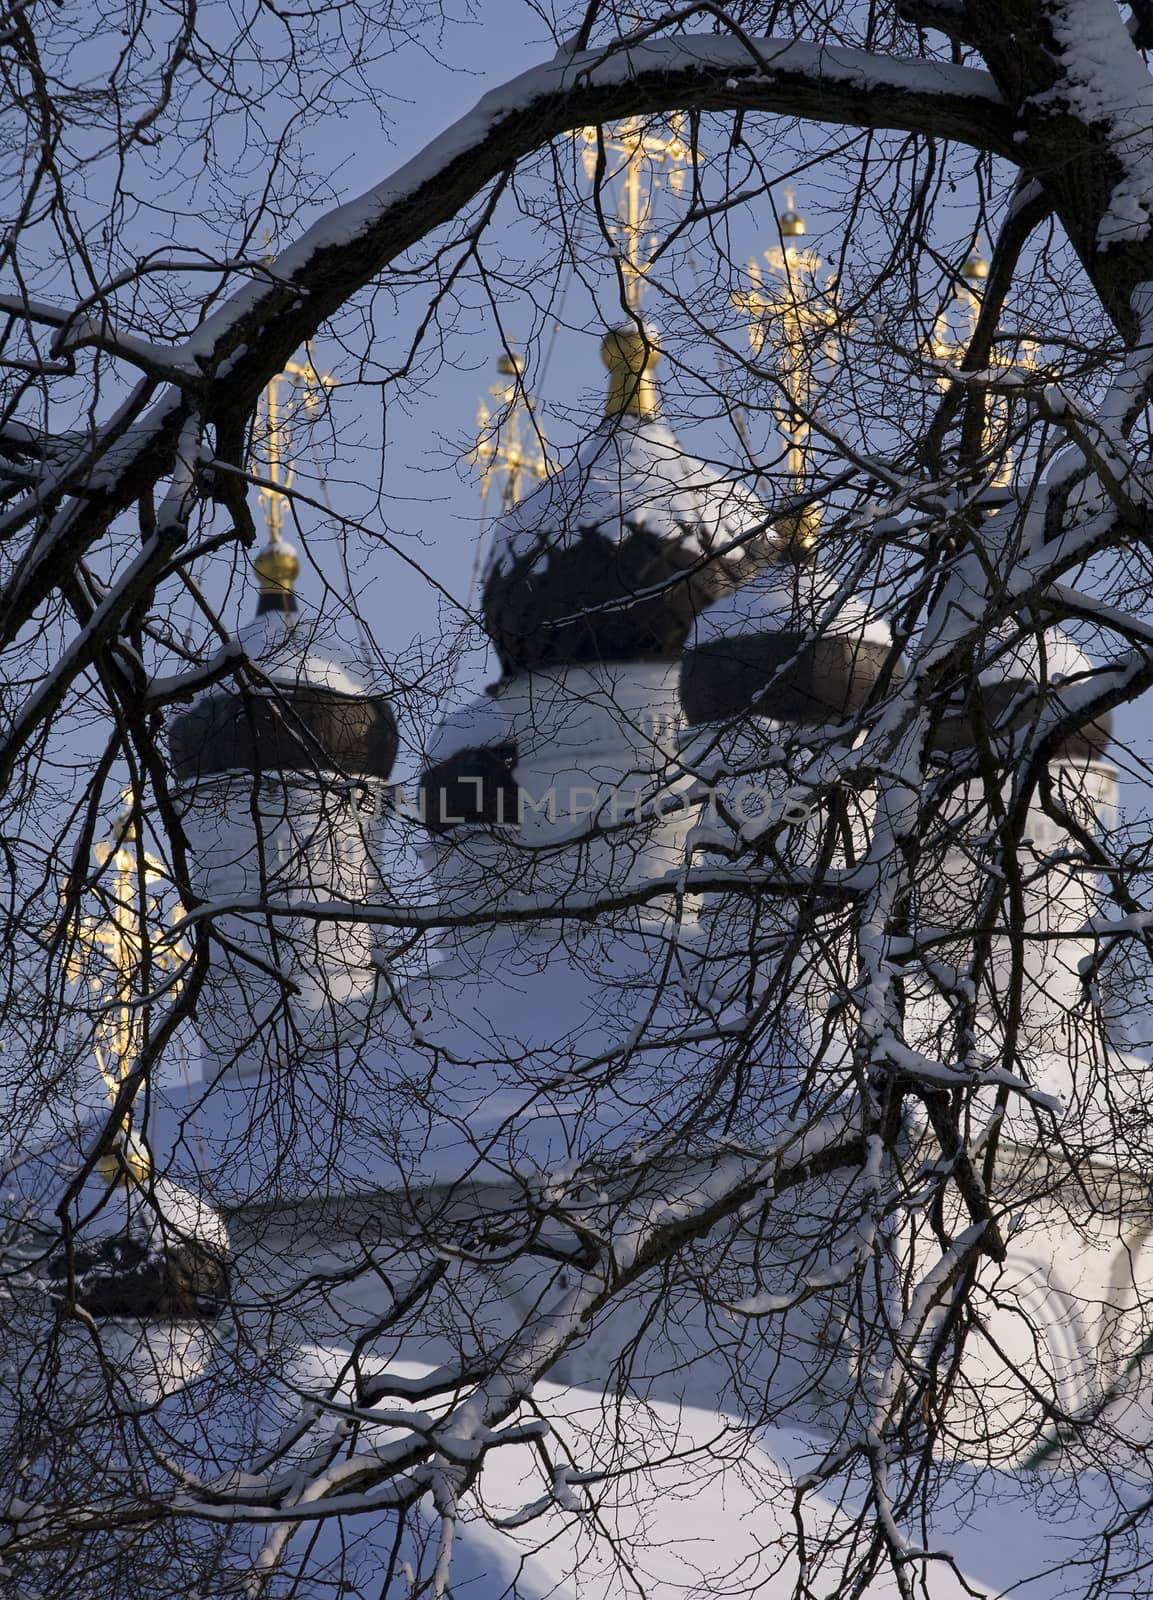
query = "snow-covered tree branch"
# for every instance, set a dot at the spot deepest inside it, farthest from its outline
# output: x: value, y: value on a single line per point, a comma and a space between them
x: 601, y: 1044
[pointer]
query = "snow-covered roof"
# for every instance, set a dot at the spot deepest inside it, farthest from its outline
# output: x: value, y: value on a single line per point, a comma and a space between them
x: 1049, y: 657
x: 559, y: 707
x: 633, y: 472
x: 296, y: 649
x: 483, y: 722
x: 609, y: 559
x: 715, y: 1514
x: 665, y: 1498
x: 475, y: 1071
x: 790, y: 597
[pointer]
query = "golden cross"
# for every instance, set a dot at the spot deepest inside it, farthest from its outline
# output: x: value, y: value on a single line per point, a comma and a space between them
x: 118, y: 954
x: 275, y: 431
x: 796, y: 315
x: 509, y: 442
x: 642, y: 151
x: 952, y: 333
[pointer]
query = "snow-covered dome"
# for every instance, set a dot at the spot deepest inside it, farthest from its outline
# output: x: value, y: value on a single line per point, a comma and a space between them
x: 1050, y: 657
x: 788, y: 644
x: 468, y: 772
x: 1019, y: 672
x: 308, y: 706
x: 140, y: 1243
x: 610, y: 559
x: 168, y: 1259
x: 565, y: 731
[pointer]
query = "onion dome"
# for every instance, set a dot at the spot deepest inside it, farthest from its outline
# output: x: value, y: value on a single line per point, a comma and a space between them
x: 975, y: 270
x: 790, y: 221
x: 469, y: 777
x: 1023, y: 676
x: 612, y: 557
x: 785, y: 645
x: 278, y: 567
x: 169, y: 1262
x: 303, y: 710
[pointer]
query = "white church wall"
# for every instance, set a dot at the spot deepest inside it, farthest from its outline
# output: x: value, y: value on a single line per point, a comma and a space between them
x: 278, y: 984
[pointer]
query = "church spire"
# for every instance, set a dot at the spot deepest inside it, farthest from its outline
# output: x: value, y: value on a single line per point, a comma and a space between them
x: 792, y: 320
x: 277, y: 566
x: 646, y: 152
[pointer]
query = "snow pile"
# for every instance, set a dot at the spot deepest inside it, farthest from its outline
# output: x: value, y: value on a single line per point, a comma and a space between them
x: 675, y: 1501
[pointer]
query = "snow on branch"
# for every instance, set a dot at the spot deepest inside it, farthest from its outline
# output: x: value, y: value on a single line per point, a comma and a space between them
x: 797, y: 77
x: 106, y: 620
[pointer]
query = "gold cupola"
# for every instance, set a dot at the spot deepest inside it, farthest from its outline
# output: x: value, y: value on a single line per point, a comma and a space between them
x: 630, y: 353
x: 975, y: 270
x: 277, y: 567
x: 790, y: 222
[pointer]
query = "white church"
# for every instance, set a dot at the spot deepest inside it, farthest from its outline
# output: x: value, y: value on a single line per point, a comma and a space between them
x: 596, y: 1225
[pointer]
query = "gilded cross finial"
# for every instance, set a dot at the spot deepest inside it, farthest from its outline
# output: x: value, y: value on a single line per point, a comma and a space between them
x: 120, y: 954
x: 952, y: 332
x: 510, y: 446
x: 275, y: 416
x: 792, y: 315
x: 636, y: 154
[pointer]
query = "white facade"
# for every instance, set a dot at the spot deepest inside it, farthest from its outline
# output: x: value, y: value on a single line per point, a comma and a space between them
x: 282, y: 986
